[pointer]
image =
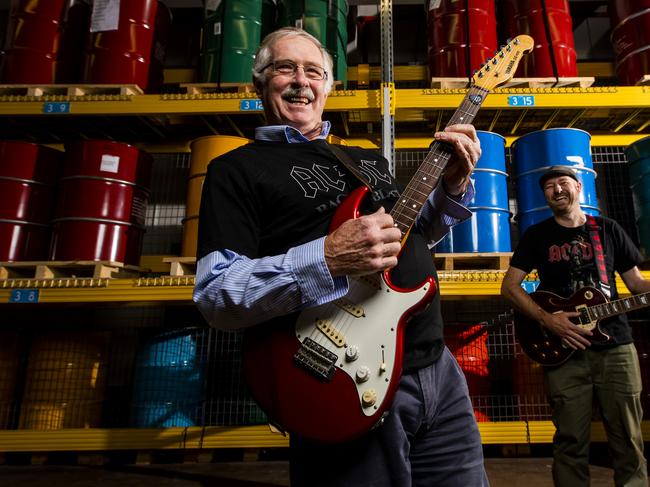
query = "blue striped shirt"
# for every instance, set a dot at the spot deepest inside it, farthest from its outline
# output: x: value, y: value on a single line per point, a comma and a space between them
x: 233, y: 291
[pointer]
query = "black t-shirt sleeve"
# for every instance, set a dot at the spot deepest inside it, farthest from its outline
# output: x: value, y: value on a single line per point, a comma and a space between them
x: 523, y: 256
x: 626, y: 253
x: 229, y: 217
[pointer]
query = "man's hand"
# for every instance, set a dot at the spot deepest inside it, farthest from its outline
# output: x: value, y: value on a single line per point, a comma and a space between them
x: 572, y: 335
x: 363, y: 245
x: 467, y: 151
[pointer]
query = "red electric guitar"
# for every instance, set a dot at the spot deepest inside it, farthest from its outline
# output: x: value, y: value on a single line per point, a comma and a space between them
x: 547, y: 348
x: 331, y: 376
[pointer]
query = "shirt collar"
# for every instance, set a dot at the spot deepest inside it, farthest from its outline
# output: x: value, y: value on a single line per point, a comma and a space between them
x: 285, y: 133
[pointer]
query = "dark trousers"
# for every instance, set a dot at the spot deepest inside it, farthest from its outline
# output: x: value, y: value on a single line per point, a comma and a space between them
x: 613, y: 376
x: 430, y: 438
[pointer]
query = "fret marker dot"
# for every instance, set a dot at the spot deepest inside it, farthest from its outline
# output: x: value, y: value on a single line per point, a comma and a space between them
x: 424, y: 178
x: 415, y: 206
x: 403, y: 201
x: 435, y: 160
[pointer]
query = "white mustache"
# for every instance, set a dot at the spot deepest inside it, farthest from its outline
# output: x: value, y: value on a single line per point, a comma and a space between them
x: 304, y: 92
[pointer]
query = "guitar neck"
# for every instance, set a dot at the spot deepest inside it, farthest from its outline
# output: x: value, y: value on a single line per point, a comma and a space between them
x: 613, y: 308
x: 427, y: 175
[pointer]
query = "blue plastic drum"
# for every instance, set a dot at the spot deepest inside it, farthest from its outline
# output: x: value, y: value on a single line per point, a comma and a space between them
x: 638, y: 154
x: 488, y: 230
x: 534, y: 153
x: 168, y: 385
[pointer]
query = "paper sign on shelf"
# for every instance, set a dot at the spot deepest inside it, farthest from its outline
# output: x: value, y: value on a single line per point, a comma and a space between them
x: 105, y: 16
x: 110, y: 163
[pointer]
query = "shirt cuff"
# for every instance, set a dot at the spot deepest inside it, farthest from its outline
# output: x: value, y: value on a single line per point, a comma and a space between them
x: 453, y: 206
x: 313, y: 276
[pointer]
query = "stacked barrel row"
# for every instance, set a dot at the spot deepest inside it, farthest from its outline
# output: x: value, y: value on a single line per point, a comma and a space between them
x: 463, y: 35
x: 488, y: 230
x: 180, y: 378
x: 88, y: 203
x: 46, y: 38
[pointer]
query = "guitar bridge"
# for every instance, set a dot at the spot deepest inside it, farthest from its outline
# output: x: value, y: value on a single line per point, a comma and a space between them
x: 316, y: 359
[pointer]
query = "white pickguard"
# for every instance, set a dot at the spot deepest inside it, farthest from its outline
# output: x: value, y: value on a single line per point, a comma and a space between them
x: 370, y: 325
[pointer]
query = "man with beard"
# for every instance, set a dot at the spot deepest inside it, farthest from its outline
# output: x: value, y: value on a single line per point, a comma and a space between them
x: 565, y: 253
x: 264, y: 253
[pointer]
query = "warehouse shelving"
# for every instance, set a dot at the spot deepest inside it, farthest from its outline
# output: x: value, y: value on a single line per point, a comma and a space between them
x: 471, y: 284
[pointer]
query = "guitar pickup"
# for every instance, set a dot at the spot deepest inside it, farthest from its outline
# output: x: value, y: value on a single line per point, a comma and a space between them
x: 330, y: 332
x: 347, y: 306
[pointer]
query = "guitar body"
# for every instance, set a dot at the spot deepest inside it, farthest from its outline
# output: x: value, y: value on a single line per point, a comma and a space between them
x: 545, y: 347
x: 330, y: 376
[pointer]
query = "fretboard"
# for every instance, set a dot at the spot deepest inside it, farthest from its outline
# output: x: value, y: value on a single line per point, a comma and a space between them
x: 613, y: 308
x: 427, y: 175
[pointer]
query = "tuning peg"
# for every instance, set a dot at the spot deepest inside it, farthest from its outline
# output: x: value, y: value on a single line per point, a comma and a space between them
x: 494, y: 61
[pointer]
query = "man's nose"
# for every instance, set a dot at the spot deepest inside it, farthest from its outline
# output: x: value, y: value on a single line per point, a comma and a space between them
x: 299, y: 76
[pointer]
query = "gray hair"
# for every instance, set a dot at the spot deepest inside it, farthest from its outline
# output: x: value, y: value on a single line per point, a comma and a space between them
x: 263, y: 55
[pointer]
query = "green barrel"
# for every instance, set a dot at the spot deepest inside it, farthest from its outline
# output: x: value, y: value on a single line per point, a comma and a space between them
x: 232, y: 32
x: 638, y: 154
x: 325, y: 20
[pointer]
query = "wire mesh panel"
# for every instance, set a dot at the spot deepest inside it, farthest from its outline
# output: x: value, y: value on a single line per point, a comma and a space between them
x: 9, y: 362
x: 166, y: 208
x: 65, y: 381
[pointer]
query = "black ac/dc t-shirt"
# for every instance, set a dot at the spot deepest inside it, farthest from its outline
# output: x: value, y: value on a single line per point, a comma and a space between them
x: 266, y: 197
x: 564, y: 259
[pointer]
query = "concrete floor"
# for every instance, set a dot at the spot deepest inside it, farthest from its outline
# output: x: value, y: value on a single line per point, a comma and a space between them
x: 502, y: 472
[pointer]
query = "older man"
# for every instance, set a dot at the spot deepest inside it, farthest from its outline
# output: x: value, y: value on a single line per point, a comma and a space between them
x: 564, y: 250
x: 264, y: 252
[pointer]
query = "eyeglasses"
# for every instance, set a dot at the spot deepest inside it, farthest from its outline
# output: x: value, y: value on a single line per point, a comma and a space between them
x: 288, y: 68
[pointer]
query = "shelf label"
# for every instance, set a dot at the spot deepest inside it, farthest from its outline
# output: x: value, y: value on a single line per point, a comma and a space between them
x: 530, y: 286
x: 521, y: 101
x: 56, y: 107
x: 246, y: 105
x: 24, y: 296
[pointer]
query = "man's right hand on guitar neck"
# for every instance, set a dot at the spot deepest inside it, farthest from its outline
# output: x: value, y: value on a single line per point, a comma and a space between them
x: 363, y: 245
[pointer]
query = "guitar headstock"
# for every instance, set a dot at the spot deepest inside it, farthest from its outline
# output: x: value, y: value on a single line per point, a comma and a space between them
x: 503, y: 65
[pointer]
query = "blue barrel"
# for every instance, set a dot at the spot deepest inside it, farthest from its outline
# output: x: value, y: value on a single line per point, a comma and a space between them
x: 638, y: 155
x: 488, y: 230
x: 168, y: 385
x: 534, y: 153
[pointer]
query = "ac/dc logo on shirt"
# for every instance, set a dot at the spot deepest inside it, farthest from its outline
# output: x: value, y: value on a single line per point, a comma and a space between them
x: 576, y: 250
x: 320, y: 180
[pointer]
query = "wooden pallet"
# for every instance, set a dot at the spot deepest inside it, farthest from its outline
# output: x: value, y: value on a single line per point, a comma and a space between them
x: 203, y: 88
x: 73, y: 269
x: 472, y: 261
x: 69, y: 90
x: 181, y: 266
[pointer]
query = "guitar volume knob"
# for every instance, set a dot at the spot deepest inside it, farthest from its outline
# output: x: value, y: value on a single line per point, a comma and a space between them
x: 351, y: 353
x: 363, y: 374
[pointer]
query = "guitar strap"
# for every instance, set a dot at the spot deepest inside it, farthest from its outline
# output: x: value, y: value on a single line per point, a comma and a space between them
x: 599, y: 254
x: 352, y: 166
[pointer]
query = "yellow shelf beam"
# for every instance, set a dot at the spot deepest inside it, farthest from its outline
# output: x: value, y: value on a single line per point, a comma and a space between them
x: 465, y: 284
x: 628, y: 97
x: 212, y: 437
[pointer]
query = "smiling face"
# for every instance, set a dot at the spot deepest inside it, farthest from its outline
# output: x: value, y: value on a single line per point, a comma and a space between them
x: 293, y: 99
x: 562, y: 194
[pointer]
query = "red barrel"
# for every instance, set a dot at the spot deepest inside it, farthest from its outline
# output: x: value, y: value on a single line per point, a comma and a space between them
x: 132, y: 54
x: 549, y: 23
x: 631, y: 39
x: 462, y: 35
x: 76, y: 25
x: 32, y: 41
x: 28, y: 176
x: 102, y: 202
